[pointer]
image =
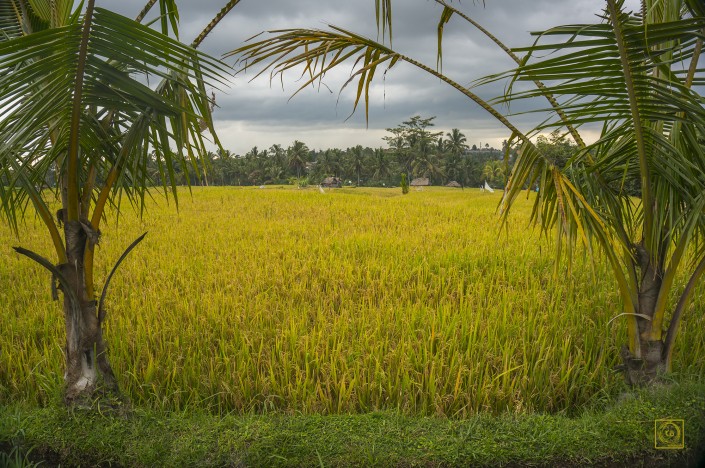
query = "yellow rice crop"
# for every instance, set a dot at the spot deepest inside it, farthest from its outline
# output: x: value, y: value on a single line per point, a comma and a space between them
x: 350, y: 301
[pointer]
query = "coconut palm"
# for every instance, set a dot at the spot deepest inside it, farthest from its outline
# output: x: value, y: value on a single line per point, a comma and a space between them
x: 426, y: 161
x: 297, y: 157
x: 456, y: 142
x: 634, y: 74
x: 398, y: 146
x: 356, y: 160
x: 455, y: 147
x: 75, y: 105
x: 380, y: 164
x: 495, y: 172
x: 329, y: 163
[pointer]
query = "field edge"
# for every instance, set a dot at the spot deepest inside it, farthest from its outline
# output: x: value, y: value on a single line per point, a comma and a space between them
x: 618, y: 434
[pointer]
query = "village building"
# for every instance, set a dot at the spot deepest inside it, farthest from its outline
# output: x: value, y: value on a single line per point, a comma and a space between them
x: 420, y: 182
x: 332, y: 182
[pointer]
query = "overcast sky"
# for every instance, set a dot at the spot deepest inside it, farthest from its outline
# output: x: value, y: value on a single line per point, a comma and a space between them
x: 255, y: 113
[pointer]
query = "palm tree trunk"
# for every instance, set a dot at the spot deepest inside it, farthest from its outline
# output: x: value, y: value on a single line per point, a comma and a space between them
x: 650, y: 362
x: 86, y: 358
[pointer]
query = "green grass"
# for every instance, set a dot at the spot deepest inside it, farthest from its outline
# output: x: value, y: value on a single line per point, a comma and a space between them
x: 613, y: 435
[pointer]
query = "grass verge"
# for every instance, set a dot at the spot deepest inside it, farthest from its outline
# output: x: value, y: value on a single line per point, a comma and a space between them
x: 618, y: 434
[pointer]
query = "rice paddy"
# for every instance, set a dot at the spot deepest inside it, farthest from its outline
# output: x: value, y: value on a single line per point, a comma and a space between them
x: 357, y: 300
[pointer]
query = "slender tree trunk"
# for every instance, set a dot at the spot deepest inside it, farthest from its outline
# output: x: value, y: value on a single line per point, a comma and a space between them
x: 86, y: 358
x: 651, y: 361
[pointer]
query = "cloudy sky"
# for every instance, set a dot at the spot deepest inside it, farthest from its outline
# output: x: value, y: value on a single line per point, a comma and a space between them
x: 257, y: 113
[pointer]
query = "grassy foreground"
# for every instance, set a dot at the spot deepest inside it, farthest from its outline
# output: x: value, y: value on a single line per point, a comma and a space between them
x: 617, y: 435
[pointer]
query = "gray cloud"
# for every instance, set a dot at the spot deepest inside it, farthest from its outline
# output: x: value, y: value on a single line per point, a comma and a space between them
x: 255, y: 113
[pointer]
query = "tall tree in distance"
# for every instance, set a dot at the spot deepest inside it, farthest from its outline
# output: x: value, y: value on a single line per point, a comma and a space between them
x: 277, y: 163
x: 398, y: 146
x: 456, y: 142
x: 495, y: 172
x: 297, y: 157
x: 380, y: 164
x: 426, y: 162
x: 455, y: 146
x: 415, y: 145
x: 329, y: 163
x: 356, y: 160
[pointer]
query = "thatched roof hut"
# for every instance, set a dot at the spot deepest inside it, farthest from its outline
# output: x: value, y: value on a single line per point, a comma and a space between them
x: 453, y: 184
x: 420, y: 182
x: 334, y: 182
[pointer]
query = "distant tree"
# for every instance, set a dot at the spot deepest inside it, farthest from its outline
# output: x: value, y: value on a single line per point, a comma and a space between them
x: 256, y: 163
x: 495, y: 171
x: 221, y: 166
x: 455, y: 146
x: 455, y: 142
x: 557, y: 148
x: 426, y: 163
x: 440, y: 146
x: 412, y: 141
x: 356, y: 160
x: 329, y: 163
x: 278, y: 164
x: 297, y: 157
x: 398, y: 146
x: 380, y: 164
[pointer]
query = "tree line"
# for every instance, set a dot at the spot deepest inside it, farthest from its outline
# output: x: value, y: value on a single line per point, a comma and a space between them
x: 412, y: 148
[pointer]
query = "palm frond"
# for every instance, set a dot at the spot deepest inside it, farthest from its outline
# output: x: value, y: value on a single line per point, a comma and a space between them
x: 119, y: 116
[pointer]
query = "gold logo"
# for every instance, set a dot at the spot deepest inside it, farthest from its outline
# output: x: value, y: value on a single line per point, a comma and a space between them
x: 669, y: 434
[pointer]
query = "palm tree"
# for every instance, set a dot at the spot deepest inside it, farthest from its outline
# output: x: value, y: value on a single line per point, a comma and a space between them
x: 633, y: 74
x: 297, y: 156
x: 380, y: 165
x: 277, y: 163
x: 222, y: 165
x: 399, y: 148
x: 425, y: 163
x: 455, y: 146
x: 495, y: 171
x: 75, y: 105
x: 356, y: 160
x: 329, y: 163
x: 456, y: 142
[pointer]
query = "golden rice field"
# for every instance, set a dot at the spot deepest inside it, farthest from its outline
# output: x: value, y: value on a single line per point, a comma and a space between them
x: 356, y: 300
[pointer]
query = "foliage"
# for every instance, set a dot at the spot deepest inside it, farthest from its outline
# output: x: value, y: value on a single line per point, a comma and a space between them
x: 447, y: 159
x: 297, y: 157
x: 635, y: 76
x: 557, y: 148
x: 495, y: 172
x: 106, y: 143
x: 404, y: 184
x: 78, y: 111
